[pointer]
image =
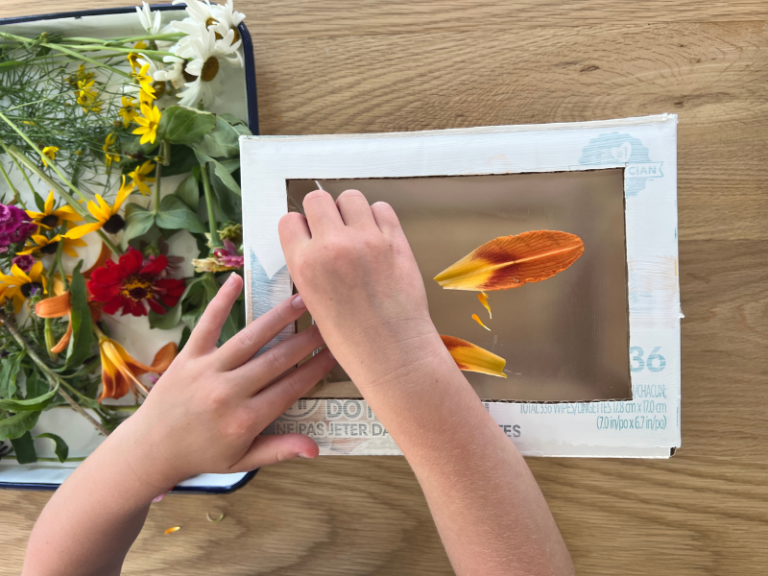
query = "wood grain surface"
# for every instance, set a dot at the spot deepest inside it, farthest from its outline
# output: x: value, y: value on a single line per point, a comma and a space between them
x: 364, y: 66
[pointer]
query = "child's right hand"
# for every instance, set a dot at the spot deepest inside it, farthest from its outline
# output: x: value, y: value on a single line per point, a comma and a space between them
x: 352, y: 264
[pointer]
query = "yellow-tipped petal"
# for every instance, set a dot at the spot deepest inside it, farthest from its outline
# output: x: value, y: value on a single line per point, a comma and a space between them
x: 511, y: 261
x: 476, y: 318
x: 471, y: 358
x: 83, y: 229
x: 483, y: 297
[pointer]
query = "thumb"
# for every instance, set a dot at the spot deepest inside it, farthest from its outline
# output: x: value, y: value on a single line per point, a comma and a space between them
x: 267, y: 450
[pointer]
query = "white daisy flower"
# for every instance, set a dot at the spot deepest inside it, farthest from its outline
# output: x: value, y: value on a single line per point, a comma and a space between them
x: 200, y: 17
x: 227, y: 17
x: 150, y: 21
x: 207, y: 53
x: 174, y: 73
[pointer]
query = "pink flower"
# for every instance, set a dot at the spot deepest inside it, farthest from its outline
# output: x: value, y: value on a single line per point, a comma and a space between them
x: 15, y: 226
x: 24, y: 262
x: 228, y: 255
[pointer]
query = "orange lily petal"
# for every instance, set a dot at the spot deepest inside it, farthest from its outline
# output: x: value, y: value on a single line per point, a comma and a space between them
x: 511, y: 261
x: 476, y: 318
x: 483, y: 297
x: 64, y: 342
x: 120, y: 370
x: 55, y: 307
x: 471, y: 358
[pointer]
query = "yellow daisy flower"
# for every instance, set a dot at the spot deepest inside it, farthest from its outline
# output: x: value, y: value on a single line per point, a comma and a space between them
x: 50, y: 218
x: 49, y: 152
x: 148, y: 124
x: 19, y: 285
x: 133, y: 57
x: 140, y: 178
x: 87, y: 96
x: 143, y: 79
x: 129, y: 110
x: 45, y: 245
x: 106, y: 216
x: 145, y: 98
x: 109, y: 154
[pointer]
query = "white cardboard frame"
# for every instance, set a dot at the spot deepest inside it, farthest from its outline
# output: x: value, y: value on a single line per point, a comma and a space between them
x: 648, y: 426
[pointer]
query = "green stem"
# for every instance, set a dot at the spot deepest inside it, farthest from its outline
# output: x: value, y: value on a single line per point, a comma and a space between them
x: 90, y: 48
x: 42, y: 156
x: 215, y: 240
x: 16, y: 196
x: 74, y: 459
x: 158, y: 174
x: 18, y: 167
x: 52, y: 377
x: 80, y: 39
x: 87, y: 59
x: 131, y: 408
x: 49, y: 341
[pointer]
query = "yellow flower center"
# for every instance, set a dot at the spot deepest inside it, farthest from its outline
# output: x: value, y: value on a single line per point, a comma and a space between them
x: 210, y: 69
x: 137, y: 287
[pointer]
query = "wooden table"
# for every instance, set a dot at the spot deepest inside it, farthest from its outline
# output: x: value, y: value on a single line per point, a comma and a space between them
x: 329, y: 66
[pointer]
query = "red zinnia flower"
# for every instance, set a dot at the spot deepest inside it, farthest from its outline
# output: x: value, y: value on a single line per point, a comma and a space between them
x: 129, y: 284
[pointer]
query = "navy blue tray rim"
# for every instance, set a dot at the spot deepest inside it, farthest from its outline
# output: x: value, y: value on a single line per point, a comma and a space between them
x: 253, y: 124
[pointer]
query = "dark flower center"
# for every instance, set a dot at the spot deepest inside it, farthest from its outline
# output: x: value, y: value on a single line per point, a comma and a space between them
x: 137, y: 287
x: 50, y: 248
x: 159, y: 89
x: 31, y: 288
x: 114, y: 224
x: 51, y: 221
x: 210, y: 69
x: 187, y: 76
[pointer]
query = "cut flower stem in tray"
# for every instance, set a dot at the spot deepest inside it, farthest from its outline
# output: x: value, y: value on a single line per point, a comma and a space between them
x: 88, y: 128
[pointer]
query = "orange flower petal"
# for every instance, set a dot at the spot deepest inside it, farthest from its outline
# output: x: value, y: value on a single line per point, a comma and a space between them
x: 476, y: 318
x: 471, y: 358
x: 54, y: 307
x: 173, y: 529
x: 64, y: 342
x: 511, y: 261
x: 483, y: 297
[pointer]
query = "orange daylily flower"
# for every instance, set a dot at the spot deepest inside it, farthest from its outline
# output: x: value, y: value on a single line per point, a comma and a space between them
x: 471, y: 358
x: 511, y: 261
x: 60, y: 306
x: 120, y: 370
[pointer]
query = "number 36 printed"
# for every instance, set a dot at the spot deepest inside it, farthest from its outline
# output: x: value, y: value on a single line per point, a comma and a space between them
x: 655, y: 362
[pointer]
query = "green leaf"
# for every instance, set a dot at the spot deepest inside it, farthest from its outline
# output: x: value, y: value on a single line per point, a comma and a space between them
x: 138, y: 221
x: 221, y: 170
x: 82, y: 340
x: 181, y: 125
x: 9, y: 373
x: 228, y: 202
x: 15, y: 426
x: 175, y: 215
x: 189, y: 191
x: 29, y: 404
x: 24, y: 448
x: 223, y: 141
x: 36, y: 386
x: 183, y: 160
x: 62, y: 450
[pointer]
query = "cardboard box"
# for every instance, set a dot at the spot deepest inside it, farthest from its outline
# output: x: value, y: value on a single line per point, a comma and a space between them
x: 593, y: 353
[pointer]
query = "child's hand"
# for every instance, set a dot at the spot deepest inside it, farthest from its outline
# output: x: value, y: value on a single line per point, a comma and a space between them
x: 206, y: 412
x: 354, y: 267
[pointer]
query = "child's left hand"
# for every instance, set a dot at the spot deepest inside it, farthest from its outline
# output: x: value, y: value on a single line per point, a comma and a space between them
x: 206, y: 412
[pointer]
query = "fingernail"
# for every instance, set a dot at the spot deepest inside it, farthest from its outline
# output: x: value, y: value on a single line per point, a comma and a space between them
x: 302, y: 455
x: 230, y: 280
x: 298, y: 302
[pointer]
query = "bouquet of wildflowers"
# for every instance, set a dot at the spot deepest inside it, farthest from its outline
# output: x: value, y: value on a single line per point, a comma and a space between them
x: 89, y: 129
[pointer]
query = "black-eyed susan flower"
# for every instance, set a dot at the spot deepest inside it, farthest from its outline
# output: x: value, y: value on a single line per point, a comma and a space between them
x: 511, y: 261
x: 21, y: 285
x: 129, y: 110
x: 148, y: 123
x: 44, y: 245
x: 52, y: 217
x: 106, y: 216
x: 110, y: 154
x: 50, y: 153
x: 471, y: 358
x: 139, y: 177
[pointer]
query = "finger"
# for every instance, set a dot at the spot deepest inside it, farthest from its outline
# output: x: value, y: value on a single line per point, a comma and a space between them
x: 387, y: 220
x: 321, y: 211
x: 267, y: 450
x: 294, y: 233
x: 205, y: 335
x: 260, y: 371
x: 277, y: 398
x: 247, y: 343
x: 354, y: 209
